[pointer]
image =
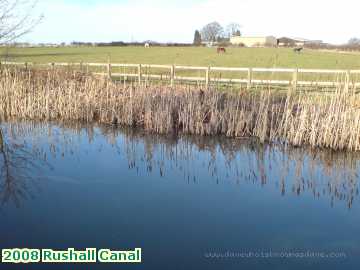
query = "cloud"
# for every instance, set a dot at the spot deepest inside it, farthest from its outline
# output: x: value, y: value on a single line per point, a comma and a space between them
x: 177, y: 20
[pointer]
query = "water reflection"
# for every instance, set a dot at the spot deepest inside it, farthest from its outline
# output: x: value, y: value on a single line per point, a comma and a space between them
x: 291, y: 171
x: 19, y: 166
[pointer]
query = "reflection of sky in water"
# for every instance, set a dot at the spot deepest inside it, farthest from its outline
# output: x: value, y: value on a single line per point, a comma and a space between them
x: 103, y: 187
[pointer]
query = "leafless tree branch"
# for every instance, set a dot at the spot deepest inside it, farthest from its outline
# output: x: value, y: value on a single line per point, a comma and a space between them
x: 17, y: 18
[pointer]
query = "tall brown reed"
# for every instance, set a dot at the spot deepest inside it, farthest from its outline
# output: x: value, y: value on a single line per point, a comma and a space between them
x: 329, y: 121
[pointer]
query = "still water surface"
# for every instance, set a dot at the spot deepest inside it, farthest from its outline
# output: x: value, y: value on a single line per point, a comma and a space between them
x: 188, y: 202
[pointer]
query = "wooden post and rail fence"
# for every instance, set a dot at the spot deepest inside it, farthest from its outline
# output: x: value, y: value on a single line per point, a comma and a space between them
x: 169, y: 73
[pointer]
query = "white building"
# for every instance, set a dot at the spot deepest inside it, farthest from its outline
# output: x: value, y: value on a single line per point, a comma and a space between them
x: 268, y: 41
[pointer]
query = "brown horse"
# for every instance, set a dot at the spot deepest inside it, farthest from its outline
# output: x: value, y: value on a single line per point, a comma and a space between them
x: 221, y: 50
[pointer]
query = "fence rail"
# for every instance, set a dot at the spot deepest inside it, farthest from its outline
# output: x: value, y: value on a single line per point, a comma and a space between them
x: 351, y: 77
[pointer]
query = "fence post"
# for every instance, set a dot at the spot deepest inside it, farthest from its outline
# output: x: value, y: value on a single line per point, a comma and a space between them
x: 172, y: 75
x: 109, y: 69
x: 139, y: 74
x: 295, y: 79
x: 347, y: 80
x: 207, y: 78
x: 26, y: 66
x: 250, y: 75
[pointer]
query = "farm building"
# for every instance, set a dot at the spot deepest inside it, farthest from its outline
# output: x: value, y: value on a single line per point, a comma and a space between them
x: 286, y: 42
x: 268, y: 41
x: 301, y: 42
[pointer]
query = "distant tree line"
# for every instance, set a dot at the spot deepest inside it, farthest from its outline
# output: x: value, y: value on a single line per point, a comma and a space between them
x: 124, y: 44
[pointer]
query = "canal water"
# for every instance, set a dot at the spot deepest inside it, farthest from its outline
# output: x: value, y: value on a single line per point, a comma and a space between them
x: 188, y: 202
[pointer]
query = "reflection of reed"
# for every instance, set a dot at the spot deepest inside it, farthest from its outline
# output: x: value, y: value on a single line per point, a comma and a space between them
x: 291, y: 170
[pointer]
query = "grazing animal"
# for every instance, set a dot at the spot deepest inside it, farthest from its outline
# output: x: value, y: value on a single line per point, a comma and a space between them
x: 147, y: 45
x: 298, y: 49
x: 221, y: 50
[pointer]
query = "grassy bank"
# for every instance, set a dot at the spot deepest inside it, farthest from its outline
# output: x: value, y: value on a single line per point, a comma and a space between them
x: 195, y: 56
x: 297, y: 119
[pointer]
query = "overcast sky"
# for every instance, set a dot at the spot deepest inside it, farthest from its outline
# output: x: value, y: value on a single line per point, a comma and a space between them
x: 175, y: 21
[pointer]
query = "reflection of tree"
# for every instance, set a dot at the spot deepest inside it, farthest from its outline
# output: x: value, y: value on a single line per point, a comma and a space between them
x: 17, y: 166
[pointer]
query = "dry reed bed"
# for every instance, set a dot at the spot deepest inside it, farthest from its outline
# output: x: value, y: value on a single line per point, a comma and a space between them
x: 331, y: 121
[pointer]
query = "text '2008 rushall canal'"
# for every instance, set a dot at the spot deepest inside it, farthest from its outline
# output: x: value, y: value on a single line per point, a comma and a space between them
x: 90, y: 255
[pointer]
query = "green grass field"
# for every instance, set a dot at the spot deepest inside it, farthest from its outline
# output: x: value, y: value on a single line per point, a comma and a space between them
x: 235, y: 57
x: 196, y: 56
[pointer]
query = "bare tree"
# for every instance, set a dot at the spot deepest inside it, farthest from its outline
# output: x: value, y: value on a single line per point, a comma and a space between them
x: 212, y: 31
x: 233, y: 29
x: 17, y: 18
x: 354, y: 41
